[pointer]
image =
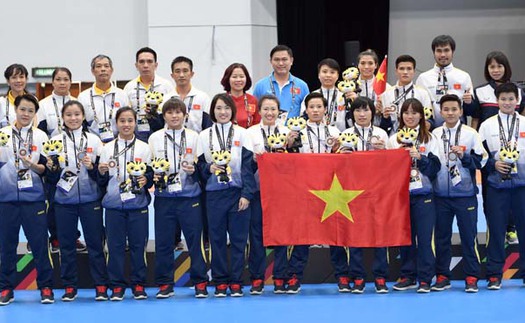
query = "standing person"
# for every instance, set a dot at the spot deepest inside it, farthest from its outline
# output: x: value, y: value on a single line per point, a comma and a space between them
x: 149, y: 120
x: 236, y: 81
x: 444, y: 78
x: 362, y: 112
x: 328, y: 73
x: 497, y: 71
x: 417, y: 260
x: 502, y: 136
x: 22, y: 200
x: 404, y: 89
x: 289, y: 89
x: 102, y: 100
x: 461, y: 153
x: 229, y: 190
x: 126, y: 207
x: 268, y: 107
x: 177, y: 200
x: 16, y: 77
x: 77, y: 196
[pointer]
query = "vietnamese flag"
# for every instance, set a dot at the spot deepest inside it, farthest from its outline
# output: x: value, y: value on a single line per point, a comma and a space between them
x: 359, y: 199
x: 380, y: 79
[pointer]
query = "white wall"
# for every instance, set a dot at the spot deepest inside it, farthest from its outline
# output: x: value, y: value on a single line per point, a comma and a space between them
x: 478, y: 27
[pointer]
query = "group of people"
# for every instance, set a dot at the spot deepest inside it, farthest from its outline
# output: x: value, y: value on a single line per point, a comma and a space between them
x: 110, y: 146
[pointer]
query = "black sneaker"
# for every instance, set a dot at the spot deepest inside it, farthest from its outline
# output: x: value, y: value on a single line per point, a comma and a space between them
x: 294, y: 285
x: 380, y: 284
x: 423, y: 287
x: 221, y: 290
x: 101, y: 293
x: 257, y: 287
x: 471, y: 284
x: 70, y: 294
x: 278, y: 286
x: 81, y: 248
x: 47, y: 296
x: 236, y: 290
x: 117, y: 294
x: 139, y: 292
x: 404, y: 284
x: 494, y: 283
x: 54, y: 246
x: 201, y: 290
x: 6, y: 297
x: 165, y: 291
x: 359, y: 286
x: 442, y: 283
x: 343, y: 284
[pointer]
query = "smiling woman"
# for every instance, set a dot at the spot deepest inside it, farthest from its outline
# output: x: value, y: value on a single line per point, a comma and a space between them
x: 16, y: 77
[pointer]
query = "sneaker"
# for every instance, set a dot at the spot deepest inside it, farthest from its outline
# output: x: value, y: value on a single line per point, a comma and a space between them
x: 380, y: 284
x: 359, y: 286
x: 6, y: 297
x: 404, y: 284
x: 47, y: 296
x: 236, y: 290
x: 81, y: 248
x: 165, y: 291
x: 494, y: 283
x: 511, y: 237
x: 278, y: 286
x: 257, y: 287
x: 201, y: 290
x: 139, y: 292
x: 70, y: 294
x: 117, y: 294
x: 54, y: 246
x: 221, y: 290
x: 442, y: 283
x: 343, y: 284
x: 101, y: 293
x: 423, y: 287
x: 179, y: 246
x: 294, y: 285
x: 471, y: 284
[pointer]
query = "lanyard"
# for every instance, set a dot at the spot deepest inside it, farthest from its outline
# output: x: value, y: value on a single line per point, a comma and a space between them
x: 273, y: 89
x: 7, y: 110
x: 327, y: 134
x: 331, y: 106
x: 59, y: 120
x: 446, y: 141
x: 362, y: 138
x: 402, y: 96
x: 21, y: 141
x: 117, y: 154
x: 104, y: 101
x: 182, y: 148
x: 247, y: 108
x: 372, y: 95
x: 514, y: 127
x: 151, y: 89
x: 81, y: 147
x: 220, y: 139
x: 265, y: 137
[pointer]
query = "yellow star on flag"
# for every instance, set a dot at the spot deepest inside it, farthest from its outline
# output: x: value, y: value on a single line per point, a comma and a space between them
x: 336, y: 199
x: 380, y: 76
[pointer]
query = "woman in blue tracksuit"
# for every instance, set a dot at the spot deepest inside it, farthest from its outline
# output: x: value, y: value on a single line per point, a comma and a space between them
x: 417, y: 260
x: 126, y: 206
x: 22, y: 200
x: 77, y: 196
x: 229, y: 189
x: 177, y: 199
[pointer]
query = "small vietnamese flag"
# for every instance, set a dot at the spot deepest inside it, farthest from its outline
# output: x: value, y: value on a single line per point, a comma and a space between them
x: 380, y: 80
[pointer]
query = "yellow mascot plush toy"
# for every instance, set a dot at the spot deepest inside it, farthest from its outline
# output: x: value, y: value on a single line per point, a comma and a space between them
x: 407, y: 136
x: 429, y: 112
x: 152, y: 100
x: 222, y: 158
x: 53, y: 148
x: 296, y: 124
x: 135, y: 170
x: 277, y: 143
x: 347, y: 142
x: 4, y: 138
x: 509, y: 156
x: 160, y: 167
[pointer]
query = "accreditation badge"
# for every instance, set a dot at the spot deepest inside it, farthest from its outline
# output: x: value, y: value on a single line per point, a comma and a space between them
x: 24, y: 179
x: 415, y: 179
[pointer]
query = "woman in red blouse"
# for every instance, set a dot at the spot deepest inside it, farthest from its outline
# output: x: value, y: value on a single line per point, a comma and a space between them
x: 236, y: 81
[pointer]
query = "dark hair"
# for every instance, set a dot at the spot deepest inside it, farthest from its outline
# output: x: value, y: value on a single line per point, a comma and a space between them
x: 315, y: 95
x: 368, y: 52
x: 174, y: 103
x: 100, y: 57
x: 228, y: 73
x: 28, y: 97
x: 71, y: 103
x: 362, y: 102
x: 499, y: 58
x: 508, y: 87
x: 280, y: 48
x: 448, y: 98
x: 61, y: 69
x: 268, y: 97
x: 331, y: 63
x: 146, y: 50
x: 182, y: 59
x: 15, y: 69
x: 443, y: 40
x: 417, y: 106
x: 126, y: 109
x: 227, y: 100
x: 404, y: 59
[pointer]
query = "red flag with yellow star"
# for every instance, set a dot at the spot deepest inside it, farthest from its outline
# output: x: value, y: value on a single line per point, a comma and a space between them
x: 359, y: 199
x: 380, y: 80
